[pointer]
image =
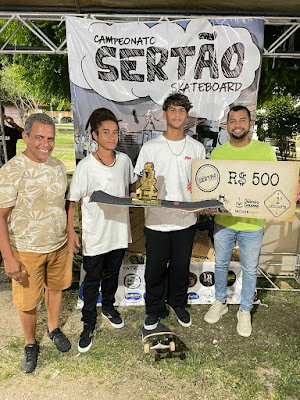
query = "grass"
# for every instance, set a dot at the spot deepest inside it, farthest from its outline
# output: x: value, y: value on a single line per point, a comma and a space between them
x: 219, y: 363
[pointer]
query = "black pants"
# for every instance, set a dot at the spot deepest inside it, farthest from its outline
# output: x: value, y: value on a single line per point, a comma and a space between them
x: 167, y: 268
x: 105, y: 268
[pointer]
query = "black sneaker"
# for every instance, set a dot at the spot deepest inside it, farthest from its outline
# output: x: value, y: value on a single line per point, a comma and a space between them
x: 86, y: 338
x: 29, y: 361
x: 151, y: 322
x: 61, y: 342
x: 114, y: 318
x: 183, y: 316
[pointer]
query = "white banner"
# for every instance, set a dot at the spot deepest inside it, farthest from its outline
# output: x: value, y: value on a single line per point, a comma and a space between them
x: 131, y: 289
x: 131, y: 68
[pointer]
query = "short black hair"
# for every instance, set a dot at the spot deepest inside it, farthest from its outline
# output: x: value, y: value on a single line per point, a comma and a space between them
x: 239, y: 108
x: 178, y: 100
x: 98, y: 116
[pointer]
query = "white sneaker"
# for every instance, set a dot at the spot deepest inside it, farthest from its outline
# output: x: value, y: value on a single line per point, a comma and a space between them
x: 215, y: 312
x: 244, y: 327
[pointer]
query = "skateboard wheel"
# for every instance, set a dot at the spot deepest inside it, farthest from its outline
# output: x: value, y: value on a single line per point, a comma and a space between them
x: 172, y: 346
x: 147, y: 348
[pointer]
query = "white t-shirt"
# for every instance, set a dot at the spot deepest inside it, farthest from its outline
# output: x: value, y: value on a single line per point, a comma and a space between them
x: 104, y: 227
x: 173, y: 168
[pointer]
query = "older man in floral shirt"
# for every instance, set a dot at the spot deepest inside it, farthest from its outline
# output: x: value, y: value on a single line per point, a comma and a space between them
x: 33, y: 233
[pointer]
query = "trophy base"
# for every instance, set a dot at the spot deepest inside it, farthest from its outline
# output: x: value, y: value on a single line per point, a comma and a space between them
x: 153, y: 202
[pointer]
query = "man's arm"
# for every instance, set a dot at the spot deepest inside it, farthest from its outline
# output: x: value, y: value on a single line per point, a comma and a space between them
x: 12, y: 123
x: 73, y: 239
x: 11, y: 263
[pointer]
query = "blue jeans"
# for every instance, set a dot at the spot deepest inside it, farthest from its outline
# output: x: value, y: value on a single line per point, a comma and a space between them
x: 249, y: 243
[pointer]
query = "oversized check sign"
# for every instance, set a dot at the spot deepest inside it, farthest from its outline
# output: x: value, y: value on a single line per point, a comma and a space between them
x: 251, y: 189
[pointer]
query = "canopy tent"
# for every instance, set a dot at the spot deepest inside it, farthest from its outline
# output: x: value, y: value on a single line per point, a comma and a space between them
x: 212, y: 7
x: 282, y: 19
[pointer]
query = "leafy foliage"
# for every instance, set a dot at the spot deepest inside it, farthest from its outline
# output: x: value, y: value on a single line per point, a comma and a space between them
x: 279, y: 77
x: 15, y: 90
x: 279, y: 120
x: 45, y: 75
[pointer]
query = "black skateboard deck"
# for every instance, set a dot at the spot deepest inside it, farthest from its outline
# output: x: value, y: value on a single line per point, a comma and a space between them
x: 161, y: 338
x: 105, y: 198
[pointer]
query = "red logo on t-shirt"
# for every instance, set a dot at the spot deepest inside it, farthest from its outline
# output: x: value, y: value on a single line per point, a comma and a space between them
x: 187, y: 158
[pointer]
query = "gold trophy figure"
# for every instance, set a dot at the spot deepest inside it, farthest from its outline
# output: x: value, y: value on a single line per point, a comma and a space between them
x: 147, y: 193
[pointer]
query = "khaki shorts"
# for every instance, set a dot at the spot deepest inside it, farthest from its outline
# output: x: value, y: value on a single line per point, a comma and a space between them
x: 52, y: 271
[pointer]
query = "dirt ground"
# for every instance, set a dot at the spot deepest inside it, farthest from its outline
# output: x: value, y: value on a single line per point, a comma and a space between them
x: 219, y: 365
x: 48, y: 383
x: 33, y: 386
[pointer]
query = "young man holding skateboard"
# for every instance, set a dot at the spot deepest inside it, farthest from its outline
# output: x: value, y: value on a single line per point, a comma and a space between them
x: 169, y: 234
x: 105, y: 228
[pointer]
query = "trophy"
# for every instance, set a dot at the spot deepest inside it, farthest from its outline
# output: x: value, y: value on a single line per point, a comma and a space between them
x: 147, y: 193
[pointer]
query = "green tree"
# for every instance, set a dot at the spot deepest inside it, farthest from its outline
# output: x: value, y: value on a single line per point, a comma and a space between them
x: 15, y: 90
x: 279, y: 120
x: 45, y: 74
x: 278, y: 77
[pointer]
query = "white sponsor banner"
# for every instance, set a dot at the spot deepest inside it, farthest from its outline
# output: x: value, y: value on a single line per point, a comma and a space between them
x: 251, y: 189
x: 131, y: 68
x: 131, y: 289
x: 202, y: 283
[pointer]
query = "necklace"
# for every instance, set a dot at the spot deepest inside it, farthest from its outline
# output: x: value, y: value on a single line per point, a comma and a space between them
x: 104, y: 162
x: 172, y: 150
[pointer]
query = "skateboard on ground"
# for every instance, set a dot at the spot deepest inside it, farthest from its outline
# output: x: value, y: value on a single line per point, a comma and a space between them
x: 161, y: 338
x: 101, y: 197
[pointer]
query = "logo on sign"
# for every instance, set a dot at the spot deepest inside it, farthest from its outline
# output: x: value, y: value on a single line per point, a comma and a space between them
x: 193, y: 296
x: 132, y: 281
x: 251, y: 203
x: 192, y: 279
x: 133, y: 296
x: 231, y: 278
x: 207, y: 278
x: 207, y: 178
x: 277, y: 203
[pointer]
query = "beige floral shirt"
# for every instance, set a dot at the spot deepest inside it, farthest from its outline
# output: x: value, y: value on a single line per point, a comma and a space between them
x: 36, y: 191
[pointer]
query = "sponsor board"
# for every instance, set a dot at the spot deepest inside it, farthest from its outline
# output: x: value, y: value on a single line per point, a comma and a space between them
x: 252, y: 189
x: 203, y: 292
x: 131, y: 289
